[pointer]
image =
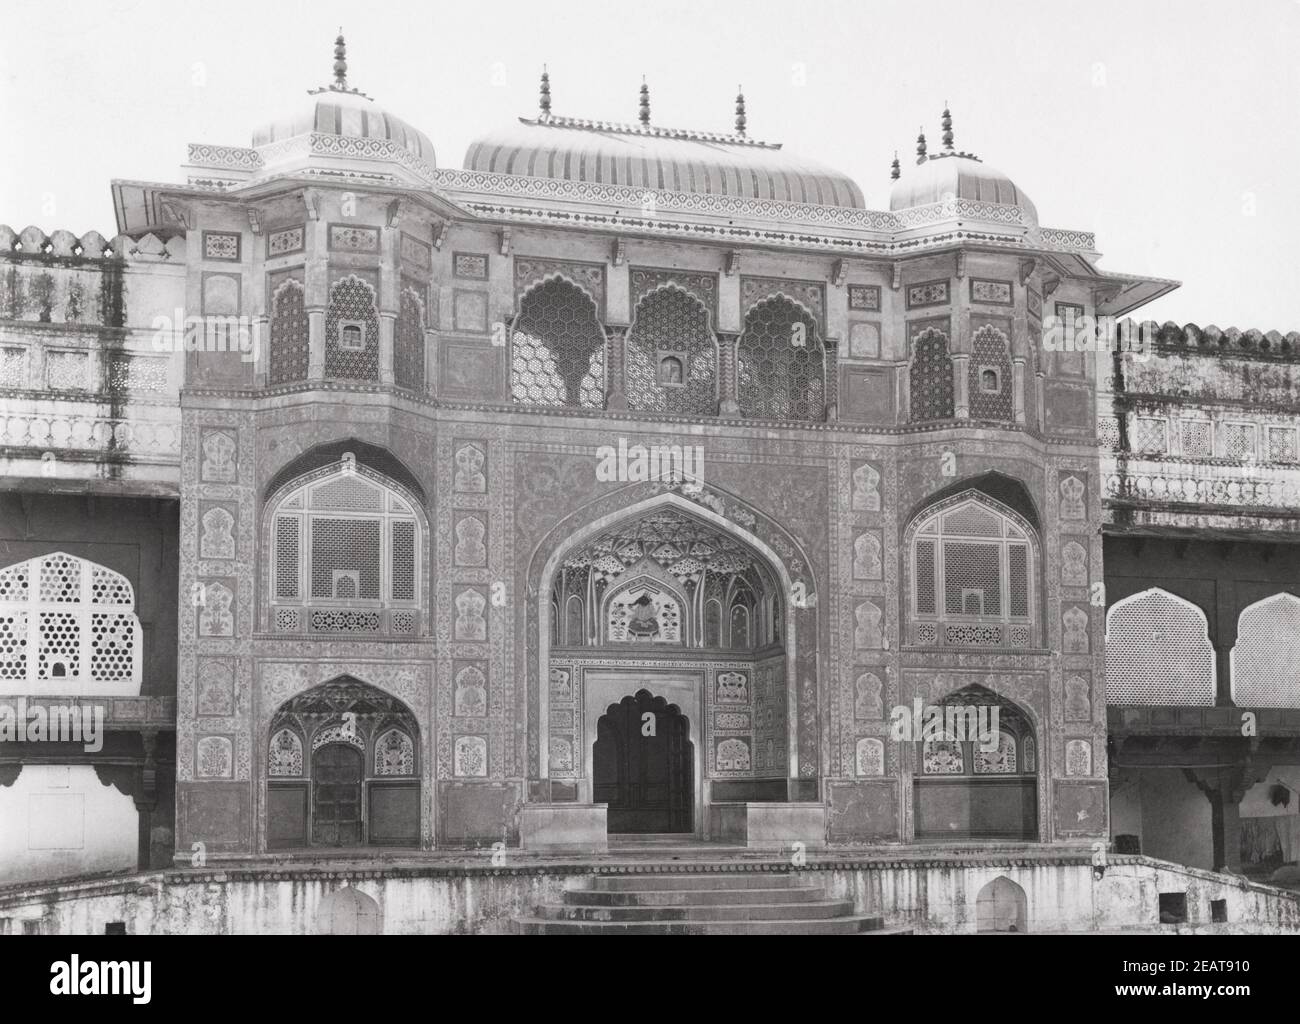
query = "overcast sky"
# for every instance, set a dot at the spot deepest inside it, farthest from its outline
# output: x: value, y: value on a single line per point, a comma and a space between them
x: 1168, y: 127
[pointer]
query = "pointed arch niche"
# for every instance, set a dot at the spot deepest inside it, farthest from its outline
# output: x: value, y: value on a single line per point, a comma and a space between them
x: 670, y: 596
x: 343, y: 769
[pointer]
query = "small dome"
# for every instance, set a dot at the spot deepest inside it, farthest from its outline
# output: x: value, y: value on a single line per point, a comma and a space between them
x: 959, y: 176
x: 345, y: 113
x: 658, y: 158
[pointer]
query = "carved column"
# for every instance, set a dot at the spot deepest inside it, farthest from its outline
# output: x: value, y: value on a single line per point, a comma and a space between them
x: 615, y: 363
x: 728, y: 383
x: 1018, y: 388
x: 961, y: 386
x: 317, y: 297
x: 387, y: 337
x: 832, y: 385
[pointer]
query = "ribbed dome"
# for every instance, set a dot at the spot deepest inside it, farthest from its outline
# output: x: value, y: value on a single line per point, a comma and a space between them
x: 961, y: 177
x: 658, y: 158
x: 345, y: 113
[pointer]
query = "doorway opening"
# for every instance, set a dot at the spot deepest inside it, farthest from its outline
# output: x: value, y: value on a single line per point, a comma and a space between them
x: 643, y: 767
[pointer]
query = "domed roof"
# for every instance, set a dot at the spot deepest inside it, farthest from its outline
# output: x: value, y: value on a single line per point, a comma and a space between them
x: 960, y: 176
x: 337, y: 109
x: 642, y: 156
x: 351, y: 114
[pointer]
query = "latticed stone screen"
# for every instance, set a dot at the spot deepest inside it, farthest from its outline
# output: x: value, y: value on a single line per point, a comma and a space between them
x: 781, y: 367
x: 990, y: 380
x: 1266, y: 659
x: 345, y: 557
x: 352, y: 314
x: 1158, y: 651
x: 289, y: 351
x: 971, y: 579
x: 558, y: 355
x: 65, y: 621
x: 408, y: 346
x: 671, y: 356
x: 931, y: 387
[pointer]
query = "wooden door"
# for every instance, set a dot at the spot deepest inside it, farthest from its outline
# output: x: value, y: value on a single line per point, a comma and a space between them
x: 336, y: 772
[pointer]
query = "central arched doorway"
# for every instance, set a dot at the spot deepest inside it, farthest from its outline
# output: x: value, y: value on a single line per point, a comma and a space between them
x: 343, y: 769
x: 643, y: 765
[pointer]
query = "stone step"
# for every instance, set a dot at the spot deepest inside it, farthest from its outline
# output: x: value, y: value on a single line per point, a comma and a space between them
x: 821, y: 910
x: 825, y: 926
x: 671, y: 880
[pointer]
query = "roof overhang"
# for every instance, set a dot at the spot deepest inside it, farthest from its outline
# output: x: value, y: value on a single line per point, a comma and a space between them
x: 150, y: 207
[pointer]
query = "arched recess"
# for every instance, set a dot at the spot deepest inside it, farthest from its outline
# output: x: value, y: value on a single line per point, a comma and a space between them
x: 797, y: 637
x: 557, y: 355
x: 1266, y: 657
x: 408, y: 339
x: 1001, y: 908
x: 973, y: 574
x: 977, y: 779
x: 781, y: 369
x: 672, y: 356
x: 1158, y: 651
x: 344, y: 553
x: 343, y: 769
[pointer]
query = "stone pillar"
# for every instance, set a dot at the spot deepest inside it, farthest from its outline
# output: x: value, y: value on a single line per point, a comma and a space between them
x: 904, y: 393
x: 832, y: 379
x: 1224, y: 787
x: 615, y: 364
x: 729, y: 375
x: 316, y: 343
x: 961, y: 386
x: 387, y: 336
x: 317, y: 296
x: 261, y: 349
x: 1040, y: 392
x: 1018, y: 388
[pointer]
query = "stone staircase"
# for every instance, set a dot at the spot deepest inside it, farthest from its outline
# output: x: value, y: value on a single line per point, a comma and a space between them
x: 739, y: 903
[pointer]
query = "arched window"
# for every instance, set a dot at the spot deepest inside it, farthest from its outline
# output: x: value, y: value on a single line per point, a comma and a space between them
x: 345, y: 554
x: 352, y: 331
x: 288, y: 355
x: 671, y: 356
x: 973, y: 571
x: 1266, y: 659
x: 558, y: 356
x: 408, y: 342
x: 68, y: 626
x: 782, y: 367
x: 1158, y: 651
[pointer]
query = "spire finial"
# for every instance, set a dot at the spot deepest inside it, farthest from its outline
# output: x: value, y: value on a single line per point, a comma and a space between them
x: 645, y: 103
x: 895, y: 169
x: 920, y: 147
x: 740, y: 110
x: 544, y: 101
x: 947, y: 127
x: 340, y: 61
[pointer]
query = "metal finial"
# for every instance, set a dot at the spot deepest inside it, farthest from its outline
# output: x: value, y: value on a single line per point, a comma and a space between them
x: 645, y: 103
x: 895, y: 169
x: 920, y: 147
x: 340, y: 61
x: 545, y: 100
x: 947, y: 127
x: 740, y: 111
